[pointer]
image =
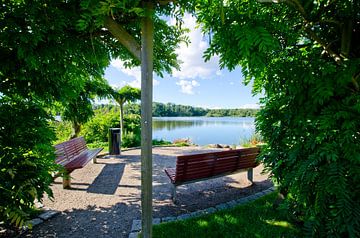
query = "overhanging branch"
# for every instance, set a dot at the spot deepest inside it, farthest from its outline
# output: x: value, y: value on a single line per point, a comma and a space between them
x: 123, y: 37
x: 316, y: 38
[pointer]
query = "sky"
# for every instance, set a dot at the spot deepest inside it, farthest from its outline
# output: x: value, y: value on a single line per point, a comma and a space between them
x: 198, y: 83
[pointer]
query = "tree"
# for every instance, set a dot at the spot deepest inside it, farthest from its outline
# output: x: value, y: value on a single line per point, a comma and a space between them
x: 50, y: 49
x: 305, y: 56
x: 40, y: 52
x: 125, y: 95
x: 80, y: 109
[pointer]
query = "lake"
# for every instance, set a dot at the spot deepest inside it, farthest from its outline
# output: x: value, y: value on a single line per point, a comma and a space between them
x: 204, y: 130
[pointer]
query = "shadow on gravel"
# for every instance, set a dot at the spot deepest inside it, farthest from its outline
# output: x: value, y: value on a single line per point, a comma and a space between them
x: 91, y: 222
x: 108, y: 180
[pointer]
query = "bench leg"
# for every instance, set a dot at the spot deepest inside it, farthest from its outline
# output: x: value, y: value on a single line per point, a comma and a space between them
x: 173, y: 193
x: 66, y: 181
x: 94, y: 161
x: 250, y: 175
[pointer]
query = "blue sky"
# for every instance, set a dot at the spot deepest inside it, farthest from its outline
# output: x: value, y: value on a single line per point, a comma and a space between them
x: 197, y: 83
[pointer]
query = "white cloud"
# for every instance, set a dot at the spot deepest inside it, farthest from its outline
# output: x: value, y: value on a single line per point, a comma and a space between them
x: 134, y: 72
x: 193, y: 64
x: 187, y: 86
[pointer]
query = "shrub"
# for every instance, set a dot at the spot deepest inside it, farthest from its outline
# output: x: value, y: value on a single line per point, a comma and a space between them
x: 62, y: 130
x: 97, y: 129
x: 26, y: 159
x: 160, y: 142
x: 254, y: 140
x: 132, y: 132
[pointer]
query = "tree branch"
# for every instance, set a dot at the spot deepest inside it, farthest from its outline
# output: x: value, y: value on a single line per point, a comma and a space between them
x: 123, y: 37
x: 346, y: 35
x: 316, y: 38
x: 298, y: 7
x: 165, y: 2
x: 354, y: 81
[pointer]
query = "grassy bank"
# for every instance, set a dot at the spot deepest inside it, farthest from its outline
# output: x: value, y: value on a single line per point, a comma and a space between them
x: 255, y: 219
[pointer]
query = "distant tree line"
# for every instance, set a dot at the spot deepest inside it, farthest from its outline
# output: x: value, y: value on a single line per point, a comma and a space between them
x: 175, y: 110
x: 232, y: 112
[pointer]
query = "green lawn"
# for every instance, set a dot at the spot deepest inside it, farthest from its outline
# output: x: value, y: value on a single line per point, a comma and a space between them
x: 255, y: 219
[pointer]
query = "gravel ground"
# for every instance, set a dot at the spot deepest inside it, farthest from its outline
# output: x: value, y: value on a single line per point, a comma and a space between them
x: 105, y: 197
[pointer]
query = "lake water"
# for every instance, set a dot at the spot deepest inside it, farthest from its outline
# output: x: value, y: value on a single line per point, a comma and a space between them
x: 204, y: 130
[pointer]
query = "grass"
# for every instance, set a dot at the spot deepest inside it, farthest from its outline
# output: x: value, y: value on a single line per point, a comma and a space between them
x: 104, y: 145
x: 160, y: 142
x: 254, y: 140
x: 255, y: 219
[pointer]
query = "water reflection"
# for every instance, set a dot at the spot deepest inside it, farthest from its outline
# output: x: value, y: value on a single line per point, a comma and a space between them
x: 204, y: 130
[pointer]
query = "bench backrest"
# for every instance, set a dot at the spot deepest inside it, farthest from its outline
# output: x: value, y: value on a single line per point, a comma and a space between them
x: 200, y: 166
x: 67, y: 150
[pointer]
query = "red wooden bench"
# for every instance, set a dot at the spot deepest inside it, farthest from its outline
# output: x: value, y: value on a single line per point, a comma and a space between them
x: 198, y: 167
x: 74, y: 154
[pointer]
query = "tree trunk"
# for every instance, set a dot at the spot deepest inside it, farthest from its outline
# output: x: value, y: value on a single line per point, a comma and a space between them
x: 76, y: 130
x: 147, y: 37
x: 121, y: 121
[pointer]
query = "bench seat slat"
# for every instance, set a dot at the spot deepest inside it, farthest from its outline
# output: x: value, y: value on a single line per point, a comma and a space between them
x: 82, y: 159
x: 196, y: 167
x: 73, y: 154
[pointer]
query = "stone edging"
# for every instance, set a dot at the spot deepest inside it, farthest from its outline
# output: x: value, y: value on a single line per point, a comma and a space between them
x: 136, y: 224
x: 46, y: 215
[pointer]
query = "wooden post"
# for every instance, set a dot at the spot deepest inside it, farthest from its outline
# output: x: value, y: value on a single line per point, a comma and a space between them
x: 66, y: 180
x: 147, y: 45
x: 250, y: 175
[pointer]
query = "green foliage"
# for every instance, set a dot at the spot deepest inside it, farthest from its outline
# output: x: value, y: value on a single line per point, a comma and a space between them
x: 132, y: 132
x: 173, y: 110
x: 128, y: 14
x: 131, y: 139
x: 97, y: 128
x: 255, y: 219
x: 126, y: 94
x: 79, y: 109
x: 160, y: 142
x: 98, y: 144
x: 41, y: 53
x: 26, y: 158
x: 49, y: 53
x: 254, y: 140
x: 305, y: 56
x: 232, y: 113
x: 63, y: 130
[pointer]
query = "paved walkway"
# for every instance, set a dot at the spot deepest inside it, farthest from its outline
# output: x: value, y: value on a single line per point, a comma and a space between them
x: 105, y: 197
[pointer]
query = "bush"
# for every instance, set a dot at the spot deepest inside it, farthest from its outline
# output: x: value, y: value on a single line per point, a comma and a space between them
x: 161, y: 142
x: 131, y: 139
x: 254, y: 140
x: 132, y: 132
x: 62, y: 130
x: 313, y: 147
x: 97, y: 129
x: 26, y: 159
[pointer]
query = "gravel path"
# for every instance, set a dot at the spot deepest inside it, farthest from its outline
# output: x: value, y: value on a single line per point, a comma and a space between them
x: 105, y: 197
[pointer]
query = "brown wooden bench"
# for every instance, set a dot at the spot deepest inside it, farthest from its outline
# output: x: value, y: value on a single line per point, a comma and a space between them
x: 198, y: 167
x: 74, y: 154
